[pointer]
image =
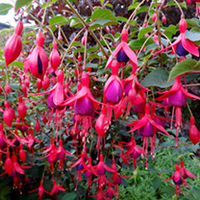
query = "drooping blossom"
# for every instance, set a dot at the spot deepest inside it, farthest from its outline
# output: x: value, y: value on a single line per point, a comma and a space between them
x: 38, y: 59
x: 182, y: 45
x: 177, y: 97
x: 54, y: 57
x: 177, y: 179
x: 123, y: 53
x: 147, y: 127
x: 13, y: 46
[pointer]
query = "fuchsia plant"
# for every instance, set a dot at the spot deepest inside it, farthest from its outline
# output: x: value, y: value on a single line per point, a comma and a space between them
x: 47, y: 125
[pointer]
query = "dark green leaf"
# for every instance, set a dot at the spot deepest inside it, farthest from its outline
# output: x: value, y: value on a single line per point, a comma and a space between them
x: 61, y: 20
x: 21, y: 3
x: 183, y: 67
x: 143, y: 31
x: 69, y: 196
x: 156, y: 182
x: 103, y: 14
x: 4, y: 8
x: 157, y: 77
x: 101, y: 23
x: 169, y: 190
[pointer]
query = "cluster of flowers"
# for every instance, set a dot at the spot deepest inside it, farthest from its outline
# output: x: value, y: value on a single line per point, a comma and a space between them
x: 117, y: 94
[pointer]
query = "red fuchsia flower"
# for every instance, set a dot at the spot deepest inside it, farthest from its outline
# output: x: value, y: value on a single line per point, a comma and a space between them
x: 100, y: 194
x: 45, y: 82
x: 8, y: 114
x: 133, y: 151
x: 101, y: 167
x: 182, y: 45
x: 111, y: 192
x: 123, y: 53
x: 22, y: 153
x: 54, y: 57
x: 40, y: 190
x: 7, y: 88
x: 3, y: 139
x: 177, y: 97
x: 193, y: 131
x: 116, y: 178
x: 113, y: 89
x: 21, y: 108
x: 8, y: 165
x: 184, y: 172
x: 84, y: 104
x: 101, y: 126
x: 147, y: 127
x: 13, y: 46
x: 177, y: 179
x: 56, y: 188
x: 38, y: 60
x: 61, y: 152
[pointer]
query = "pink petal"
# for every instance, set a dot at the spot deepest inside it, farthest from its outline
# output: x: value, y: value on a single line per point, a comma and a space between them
x: 130, y: 53
x: 58, y: 96
x: 190, y: 46
x: 140, y: 124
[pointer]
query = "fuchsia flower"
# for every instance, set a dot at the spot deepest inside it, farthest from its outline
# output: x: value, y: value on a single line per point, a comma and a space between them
x: 40, y: 190
x: 56, y: 188
x: 177, y: 97
x: 8, y: 114
x: 113, y: 89
x: 84, y: 104
x: 13, y: 46
x: 147, y: 127
x: 185, y: 173
x: 38, y: 59
x: 54, y: 57
x: 123, y: 53
x: 177, y: 179
x: 21, y: 108
x: 193, y: 131
x: 182, y: 45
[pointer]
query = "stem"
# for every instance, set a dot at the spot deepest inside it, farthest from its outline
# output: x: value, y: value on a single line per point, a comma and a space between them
x: 182, y: 14
x: 71, y: 44
x: 127, y: 26
x: 27, y: 8
x: 86, y: 26
x: 85, y: 51
x: 189, y: 109
x: 43, y: 18
x: 158, y: 29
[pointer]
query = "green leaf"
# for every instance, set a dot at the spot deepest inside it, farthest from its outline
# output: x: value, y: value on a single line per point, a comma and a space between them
x: 103, y: 14
x: 69, y: 196
x: 61, y: 20
x: 143, y: 31
x: 101, y: 23
x: 183, y: 67
x: 156, y: 182
x: 157, y: 77
x: 75, y: 22
x: 4, y: 8
x: 20, y: 3
x: 193, y: 36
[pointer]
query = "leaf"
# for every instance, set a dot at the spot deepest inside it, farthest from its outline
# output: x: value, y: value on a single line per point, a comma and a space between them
x: 103, y: 14
x: 69, y: 196
x: 157, y: 77
x: 61, y: 20
x: 75, y: 22
x: 4, y: 8
x: 20, y: 3
x: 143, y: 31
x: 183, y: 67
x: 101, y: 23
x: 156, y: 182
x: 193, y: 36
x: 169, y: 190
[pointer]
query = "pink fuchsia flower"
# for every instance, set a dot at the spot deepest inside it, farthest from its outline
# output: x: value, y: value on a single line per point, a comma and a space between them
x: 182, y: 45
x: 193, y: 131
x: 177, y: 97
x: 13, y: 46
x: 54, y: 57
x: 56, y: 188
x: 38, y: 59
x: 185, y: 173
x: 123, y: 53
x: 41, y: 190
x: 147, y: 127
x: 177, y: 179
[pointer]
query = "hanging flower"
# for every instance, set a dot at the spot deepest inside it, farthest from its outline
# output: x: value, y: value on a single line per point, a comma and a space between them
x: 38, y: 59
x: 13, y: 46
x: 182, y: 45
x: 123, y: 53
